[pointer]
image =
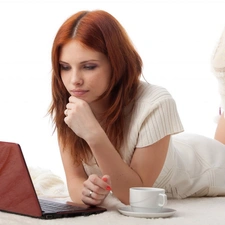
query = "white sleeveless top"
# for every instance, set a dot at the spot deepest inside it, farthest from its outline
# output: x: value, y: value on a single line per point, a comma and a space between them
x: 155, y: 116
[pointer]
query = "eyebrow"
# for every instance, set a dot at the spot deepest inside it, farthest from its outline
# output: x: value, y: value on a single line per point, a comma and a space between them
x: 63, y: 62
x: 95, y: 60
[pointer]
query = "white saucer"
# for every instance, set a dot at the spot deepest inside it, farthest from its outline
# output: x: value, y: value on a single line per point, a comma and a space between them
x: 127, y: 211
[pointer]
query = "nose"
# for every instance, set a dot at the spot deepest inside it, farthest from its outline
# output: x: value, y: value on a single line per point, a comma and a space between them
x: 76, y: 78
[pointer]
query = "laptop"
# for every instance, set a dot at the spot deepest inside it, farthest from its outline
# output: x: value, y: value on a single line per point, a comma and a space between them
x: 17, y: 193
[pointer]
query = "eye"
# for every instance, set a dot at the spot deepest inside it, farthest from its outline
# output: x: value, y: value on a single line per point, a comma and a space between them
x: 64, y: 67
x: 89, y: 67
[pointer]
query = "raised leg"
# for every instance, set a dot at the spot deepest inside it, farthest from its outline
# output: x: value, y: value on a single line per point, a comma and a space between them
x: 218, y: 65
x: 220, y: 130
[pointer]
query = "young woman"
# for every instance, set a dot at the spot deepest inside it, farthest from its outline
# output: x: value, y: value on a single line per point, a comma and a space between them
x: 115, y: 131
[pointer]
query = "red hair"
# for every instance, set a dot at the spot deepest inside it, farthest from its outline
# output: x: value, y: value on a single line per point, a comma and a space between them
x: 100, y: 31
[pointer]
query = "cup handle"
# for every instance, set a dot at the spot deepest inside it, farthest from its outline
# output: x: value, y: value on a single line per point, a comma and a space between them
x: 163, y: 200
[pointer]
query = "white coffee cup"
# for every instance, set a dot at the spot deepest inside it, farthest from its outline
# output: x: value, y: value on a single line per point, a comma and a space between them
x: 146, y: 199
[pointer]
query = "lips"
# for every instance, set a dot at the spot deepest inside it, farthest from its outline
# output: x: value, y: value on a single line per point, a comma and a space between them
x: 78, y: 93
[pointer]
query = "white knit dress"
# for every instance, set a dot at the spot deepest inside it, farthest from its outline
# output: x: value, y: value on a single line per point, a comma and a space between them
x: 194, y: 166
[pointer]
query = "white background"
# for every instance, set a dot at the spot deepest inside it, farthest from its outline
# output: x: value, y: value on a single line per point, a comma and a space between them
x: 176, y: 40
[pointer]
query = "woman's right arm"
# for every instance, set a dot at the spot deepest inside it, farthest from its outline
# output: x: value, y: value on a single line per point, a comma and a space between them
x: 75, y: 176
x: 90, y: 190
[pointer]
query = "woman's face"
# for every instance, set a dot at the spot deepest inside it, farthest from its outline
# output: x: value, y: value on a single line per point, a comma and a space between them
x: 85, y: 73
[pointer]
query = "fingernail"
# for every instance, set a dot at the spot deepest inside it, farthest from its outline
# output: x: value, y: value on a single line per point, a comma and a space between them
x: 104, y: 179
x: 108, y: 188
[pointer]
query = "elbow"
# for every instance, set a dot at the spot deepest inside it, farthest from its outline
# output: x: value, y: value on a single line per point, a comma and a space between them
x: 122, y: 197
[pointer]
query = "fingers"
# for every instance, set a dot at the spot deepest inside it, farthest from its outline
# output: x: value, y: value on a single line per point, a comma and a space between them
x: 69, y: 105
x: 90, y: 197
x: 68, y: 108
x: 95, y: 189
x: 73, y: 99
x: 97, y: 185
x: 107, y: 179
x: 66, y: 112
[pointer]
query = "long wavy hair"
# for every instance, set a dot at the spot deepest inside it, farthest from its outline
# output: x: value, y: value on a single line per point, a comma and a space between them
x: 101, y: 32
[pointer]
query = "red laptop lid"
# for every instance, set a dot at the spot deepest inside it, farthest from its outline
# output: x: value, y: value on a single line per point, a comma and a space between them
x: 17, y: 192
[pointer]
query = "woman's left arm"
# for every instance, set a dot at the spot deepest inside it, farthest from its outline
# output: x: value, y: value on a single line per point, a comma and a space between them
x: 146, y: 164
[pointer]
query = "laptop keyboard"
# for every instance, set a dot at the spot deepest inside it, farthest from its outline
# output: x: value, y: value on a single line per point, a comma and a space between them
x: 50, y: 206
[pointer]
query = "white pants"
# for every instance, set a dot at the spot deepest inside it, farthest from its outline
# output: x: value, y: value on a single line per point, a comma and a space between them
x: 195, y: 166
